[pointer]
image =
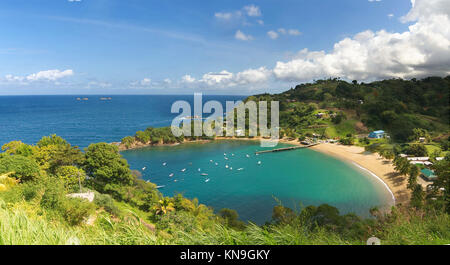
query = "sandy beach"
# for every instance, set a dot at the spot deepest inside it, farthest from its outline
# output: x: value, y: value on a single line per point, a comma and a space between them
x: 372, y: 162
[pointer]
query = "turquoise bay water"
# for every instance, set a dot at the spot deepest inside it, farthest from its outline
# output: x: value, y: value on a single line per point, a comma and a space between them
x: 296, y: 176
x: 293, y: 177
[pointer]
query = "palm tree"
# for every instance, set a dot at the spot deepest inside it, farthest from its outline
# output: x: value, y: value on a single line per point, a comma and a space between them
x: 413, y: 174
x: 164, y: 206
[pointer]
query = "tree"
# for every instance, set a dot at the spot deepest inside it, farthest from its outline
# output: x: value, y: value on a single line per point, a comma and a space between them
x: 72, y: 176
x: 417, y: 150
x: 417, y: 196
x: 24, y: 168
x: 164, y: 206
x: 231, y: 218
x: 128, y: 141
x: 401, y: 165
x: 52, y: 156
x: 412, y: 176
x: 283, y: 215
x: 107, y: 168
x: 17, y: 148
x: 442, y: 183
x: 51, y: 140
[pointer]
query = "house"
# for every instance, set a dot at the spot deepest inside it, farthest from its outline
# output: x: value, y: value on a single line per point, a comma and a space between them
x: 428, y: 174
x: 240, y: 133
x: 422, y: 139
x: 377, y: 134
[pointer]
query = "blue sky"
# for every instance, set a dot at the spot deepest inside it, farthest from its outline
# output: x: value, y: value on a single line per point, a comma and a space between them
x: 181, y: 46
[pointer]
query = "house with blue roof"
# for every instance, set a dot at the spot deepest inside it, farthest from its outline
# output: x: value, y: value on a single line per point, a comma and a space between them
x: 377, y: 134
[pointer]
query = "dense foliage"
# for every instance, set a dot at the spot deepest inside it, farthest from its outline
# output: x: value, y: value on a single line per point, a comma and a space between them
x: 401, y: 107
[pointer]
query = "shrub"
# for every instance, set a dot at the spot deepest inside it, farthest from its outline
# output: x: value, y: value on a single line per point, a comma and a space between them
x: 76, y: 210
x: 107, y: 202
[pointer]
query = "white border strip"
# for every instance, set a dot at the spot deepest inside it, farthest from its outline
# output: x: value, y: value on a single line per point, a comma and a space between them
x: 371, y: 173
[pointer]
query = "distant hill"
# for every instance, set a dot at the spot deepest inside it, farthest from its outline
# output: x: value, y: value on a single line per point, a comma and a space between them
x: 335, y: 107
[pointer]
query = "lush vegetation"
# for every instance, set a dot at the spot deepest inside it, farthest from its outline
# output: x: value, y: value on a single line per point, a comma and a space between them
x: 335, y: 108
x: 35, y: 209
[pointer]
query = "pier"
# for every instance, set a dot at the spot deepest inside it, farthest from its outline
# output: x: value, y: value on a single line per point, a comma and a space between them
x: 285, y: 149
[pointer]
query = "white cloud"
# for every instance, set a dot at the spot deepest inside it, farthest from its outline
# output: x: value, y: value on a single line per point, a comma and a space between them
x: 272, y: 34
x: 224, y: 16
x: 282, y: 31
x: 187, y: 79
x: 74, y: 0
x: 253, y: 76
x: 226, y: 79
x: 294, y: 32
x: 167, y: 81
x: 374, y: 0
x: 241, y: 36
x: 390, y: 15
x: 260, y: 22
x: 252, y: 11
x: 146, y: 82
x: 48, y: 75
x: 216, y: 78
x: 97, y: 84
x: 423, y: 50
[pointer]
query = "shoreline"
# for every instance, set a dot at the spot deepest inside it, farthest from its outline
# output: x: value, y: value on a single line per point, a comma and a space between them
x: 139, y: 145
x: 373, y: 164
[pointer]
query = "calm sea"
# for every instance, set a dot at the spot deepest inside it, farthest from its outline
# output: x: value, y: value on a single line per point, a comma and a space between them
x: 294, y: 178
x: 28, y: 118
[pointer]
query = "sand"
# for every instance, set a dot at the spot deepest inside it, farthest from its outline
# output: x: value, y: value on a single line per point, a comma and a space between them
x: 372, y: 162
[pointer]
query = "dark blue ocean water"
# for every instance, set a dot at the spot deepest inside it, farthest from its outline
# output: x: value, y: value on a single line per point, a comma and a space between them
x: 28, y: 118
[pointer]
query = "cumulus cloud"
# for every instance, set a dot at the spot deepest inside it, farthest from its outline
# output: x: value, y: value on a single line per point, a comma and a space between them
x: 241, y: 36
x: 226, y: 79
x: 294, y: 32
x: 241, y: 15
x: 48, y: 75
x: 421, y: 51
x: 226, y: 15
x: 146, y: 82
x: 272, y: 34
x: 187, y: 79
x: 252, y: 11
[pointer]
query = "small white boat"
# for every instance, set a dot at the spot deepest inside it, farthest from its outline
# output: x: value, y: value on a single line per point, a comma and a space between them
x: 239, y: 169
x: 144, y: 168
x: 226, y: 158
x: 204, y: 174
x: 175, y: 181
x: 232, y: 154
x: 247, y: 155
x: 224, y: 154
x: 226, y: 166
x: 259, y: 162
x: 171, y: 175
x: 217, y: 164
x: 159, y: 187
x: 231, y: 168
x: 164, y: 163
x: 183, y: 170
x: 206, y: 180
x: 210, y: 161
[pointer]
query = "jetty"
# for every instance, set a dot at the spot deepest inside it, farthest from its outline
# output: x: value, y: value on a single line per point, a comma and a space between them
x: 285, y: 149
